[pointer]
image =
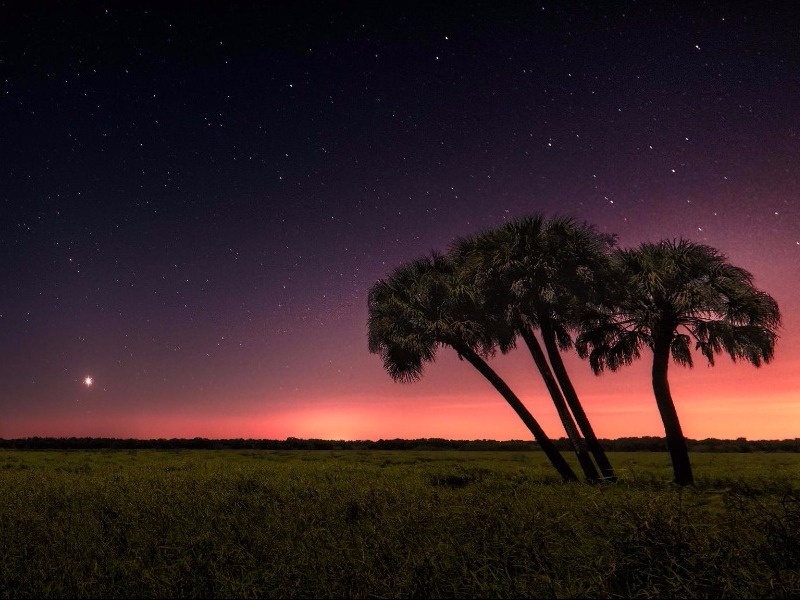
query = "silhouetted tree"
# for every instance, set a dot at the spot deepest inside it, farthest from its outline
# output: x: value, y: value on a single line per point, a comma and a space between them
x: 423, y: 306
x: 537, y: 273
x: 667, y: 296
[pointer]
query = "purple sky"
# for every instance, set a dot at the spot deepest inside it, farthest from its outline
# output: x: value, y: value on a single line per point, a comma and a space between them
x: 195, y: 201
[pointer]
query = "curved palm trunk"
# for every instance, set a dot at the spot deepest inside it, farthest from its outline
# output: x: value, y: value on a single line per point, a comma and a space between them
x: 578, y: 444
x: 546, y: 444
x: 571, y: 396
x: 676, y: 443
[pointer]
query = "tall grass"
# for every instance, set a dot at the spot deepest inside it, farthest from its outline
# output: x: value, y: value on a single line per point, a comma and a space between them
x: 392, y: 524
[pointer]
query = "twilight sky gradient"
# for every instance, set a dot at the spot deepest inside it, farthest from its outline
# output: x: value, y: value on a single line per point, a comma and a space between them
x: 195, y: 201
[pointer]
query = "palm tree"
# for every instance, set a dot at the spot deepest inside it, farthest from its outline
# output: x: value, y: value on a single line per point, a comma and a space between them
x: 538, y: 274
x: 421, y: 307
x: 670, y: 294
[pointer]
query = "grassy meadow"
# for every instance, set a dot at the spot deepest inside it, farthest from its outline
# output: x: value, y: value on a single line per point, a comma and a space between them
x: 208, y: 523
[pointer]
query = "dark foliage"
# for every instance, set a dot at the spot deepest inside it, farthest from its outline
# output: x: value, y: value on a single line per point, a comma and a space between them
x: 627, y: 444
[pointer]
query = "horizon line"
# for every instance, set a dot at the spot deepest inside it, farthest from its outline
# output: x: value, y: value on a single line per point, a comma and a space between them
x: 292, y: 438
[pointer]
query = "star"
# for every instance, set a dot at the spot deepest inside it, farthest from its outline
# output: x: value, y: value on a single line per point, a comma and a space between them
x: 88, y: 381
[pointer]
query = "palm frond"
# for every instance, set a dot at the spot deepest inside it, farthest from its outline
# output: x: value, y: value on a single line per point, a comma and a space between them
x: 680, y: 351
x: 678, y: 283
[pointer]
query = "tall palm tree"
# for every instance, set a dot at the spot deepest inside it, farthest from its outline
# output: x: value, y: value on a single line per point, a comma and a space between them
x: 421, y: 307
x: 668, y: 295
x: 537, y: 273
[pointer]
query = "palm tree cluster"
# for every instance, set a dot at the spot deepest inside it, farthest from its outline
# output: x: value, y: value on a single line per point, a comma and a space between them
x: 556, y: 285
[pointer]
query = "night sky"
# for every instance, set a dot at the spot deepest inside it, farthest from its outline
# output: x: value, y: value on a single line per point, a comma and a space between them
x: 196, y: 199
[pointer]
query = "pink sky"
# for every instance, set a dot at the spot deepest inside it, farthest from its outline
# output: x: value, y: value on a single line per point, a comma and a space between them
x: 453, y: 401
x: 323, y: 383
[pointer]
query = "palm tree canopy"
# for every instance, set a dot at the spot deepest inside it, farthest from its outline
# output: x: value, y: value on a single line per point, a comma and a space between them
x: 421, y: 306
x: 535, y: 268
x: 682, y: 292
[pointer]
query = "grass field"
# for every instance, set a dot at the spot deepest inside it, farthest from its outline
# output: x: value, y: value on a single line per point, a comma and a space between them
x: 384, y: 524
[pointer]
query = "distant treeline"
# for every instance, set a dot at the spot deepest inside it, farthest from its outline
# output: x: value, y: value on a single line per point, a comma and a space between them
x: 628, y: 444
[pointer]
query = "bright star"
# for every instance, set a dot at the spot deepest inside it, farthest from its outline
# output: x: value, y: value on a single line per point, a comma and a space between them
x: 88, y: 381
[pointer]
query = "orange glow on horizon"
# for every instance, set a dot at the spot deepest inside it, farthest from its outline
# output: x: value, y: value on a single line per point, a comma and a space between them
x: 478, y: 417
x: 451, y: 401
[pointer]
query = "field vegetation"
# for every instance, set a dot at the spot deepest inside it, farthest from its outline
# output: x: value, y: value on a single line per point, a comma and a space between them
x: 393, y: 524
